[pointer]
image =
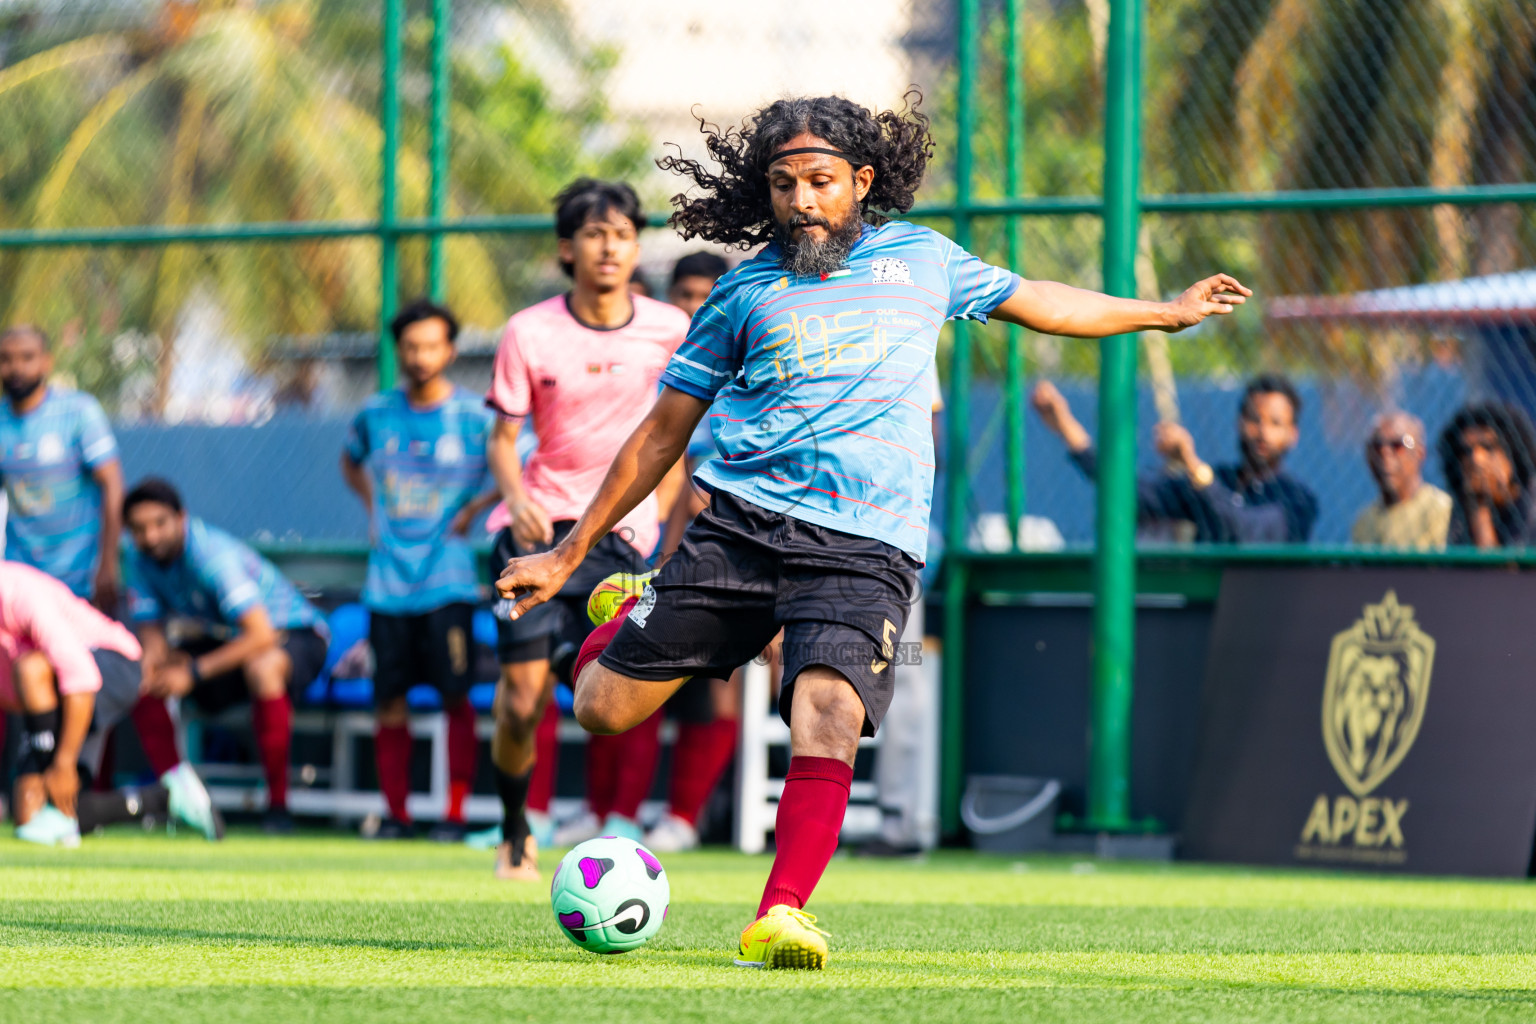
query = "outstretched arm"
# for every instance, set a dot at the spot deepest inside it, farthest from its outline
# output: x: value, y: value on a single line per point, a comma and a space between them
x: 655, y: 446
x: 1060, y: 309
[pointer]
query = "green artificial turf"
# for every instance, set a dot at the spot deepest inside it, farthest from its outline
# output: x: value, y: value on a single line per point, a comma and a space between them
x: 138, y: 927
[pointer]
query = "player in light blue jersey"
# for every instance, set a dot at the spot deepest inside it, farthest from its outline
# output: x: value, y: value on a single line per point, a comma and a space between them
x: 260, y: 640
x: 814, y: 361
x: 62, y: 476
x: 416, y: 456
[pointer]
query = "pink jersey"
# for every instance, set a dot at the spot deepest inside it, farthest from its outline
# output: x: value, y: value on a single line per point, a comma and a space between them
x: 38, y: 613
x: 587, y: 390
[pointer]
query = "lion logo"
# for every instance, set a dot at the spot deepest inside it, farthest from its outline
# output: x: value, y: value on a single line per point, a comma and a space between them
x: 1374, y: 696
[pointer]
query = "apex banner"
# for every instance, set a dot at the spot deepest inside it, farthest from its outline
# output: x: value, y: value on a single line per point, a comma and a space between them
x: 1375, y: 718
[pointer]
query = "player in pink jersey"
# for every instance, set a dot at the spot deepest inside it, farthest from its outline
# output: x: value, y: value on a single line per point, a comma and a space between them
x: 583, y: 367
x: 73, y: 674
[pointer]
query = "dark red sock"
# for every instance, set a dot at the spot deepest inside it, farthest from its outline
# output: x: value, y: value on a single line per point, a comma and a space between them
x: 272, y: 719
x: 157, y: 734
x: 597, y: 641
x: 702, y: 754
x: 603, y: 754
x: 546, y: 760
x: 392, y: 755
x: 805, y: 830
x: 636, y: 769
x: 463, y: 757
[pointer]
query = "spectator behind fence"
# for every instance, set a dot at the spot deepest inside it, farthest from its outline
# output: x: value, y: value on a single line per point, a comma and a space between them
x: 263, y: 641
x: 416, y: 457
x: 1410, y: 513
x: 1489, y: 457
x: 1251, y: 501
x: 61, y: 471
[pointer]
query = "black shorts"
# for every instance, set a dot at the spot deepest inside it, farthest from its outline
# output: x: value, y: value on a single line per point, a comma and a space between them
x: 560, y: 622
x: 306, y: 650
x: 114, y: 702
x: 434, y: 647
x: 741, y: 573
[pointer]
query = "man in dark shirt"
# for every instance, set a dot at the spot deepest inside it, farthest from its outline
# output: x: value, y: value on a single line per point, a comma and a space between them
x: 1251, y: 501
x: 1488, y: 453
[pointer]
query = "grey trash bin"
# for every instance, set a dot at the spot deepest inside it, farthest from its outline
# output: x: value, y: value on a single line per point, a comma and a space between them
x: 1010, y: 813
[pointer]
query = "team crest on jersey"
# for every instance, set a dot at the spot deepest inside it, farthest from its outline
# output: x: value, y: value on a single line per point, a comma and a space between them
x: 891, y: 271
x: 50, y: 449
x: 449, y: 450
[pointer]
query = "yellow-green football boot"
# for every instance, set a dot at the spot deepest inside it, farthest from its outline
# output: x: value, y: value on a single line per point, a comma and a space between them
x: 608, y: 596
x: 784, y: 938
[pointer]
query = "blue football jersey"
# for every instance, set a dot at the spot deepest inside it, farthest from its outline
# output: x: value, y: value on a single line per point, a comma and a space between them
x: 46, y: 460
x: 824, y: 387
x: 216, y: 580
x: 426, y: 465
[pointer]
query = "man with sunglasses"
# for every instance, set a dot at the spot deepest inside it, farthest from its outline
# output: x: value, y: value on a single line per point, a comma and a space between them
x: 1410, y: 513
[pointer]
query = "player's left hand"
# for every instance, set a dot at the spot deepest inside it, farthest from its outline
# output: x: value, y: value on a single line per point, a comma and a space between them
x: 61, y: 781
x: 106, y: 588
x: 1217, y: 295
x: 173, y: 680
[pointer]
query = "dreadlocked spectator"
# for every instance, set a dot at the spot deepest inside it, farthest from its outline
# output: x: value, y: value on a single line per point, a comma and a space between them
x: 1488, y: 453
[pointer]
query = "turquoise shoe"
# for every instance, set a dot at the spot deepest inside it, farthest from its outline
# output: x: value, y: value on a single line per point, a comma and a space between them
x: 486, y: 839
x: 623, y: 828
x: 50, y: 827
x: 191, y: 803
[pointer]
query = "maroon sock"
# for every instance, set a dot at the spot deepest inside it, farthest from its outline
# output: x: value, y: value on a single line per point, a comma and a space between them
x: 272, y: 718
x: 602, y: 772
x: 597, y: 641
x: 463, y: 756
x: 546, y: 759
x: 636, y: 769
x: 157, y: 735
x: 806, y: 827
x: 702, y: 754
x: 392, y: 755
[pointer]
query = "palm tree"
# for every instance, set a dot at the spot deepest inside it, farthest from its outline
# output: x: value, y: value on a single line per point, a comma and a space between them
x: 226, y: 112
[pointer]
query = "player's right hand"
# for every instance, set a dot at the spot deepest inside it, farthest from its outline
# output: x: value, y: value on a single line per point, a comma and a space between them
x: 531, y: 525
x: 530, y: 580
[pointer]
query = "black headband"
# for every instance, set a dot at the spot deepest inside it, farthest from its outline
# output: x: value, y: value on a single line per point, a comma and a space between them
x: 855, y: 161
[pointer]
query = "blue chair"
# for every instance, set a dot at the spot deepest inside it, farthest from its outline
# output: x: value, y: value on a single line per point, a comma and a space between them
x: 348, y: 624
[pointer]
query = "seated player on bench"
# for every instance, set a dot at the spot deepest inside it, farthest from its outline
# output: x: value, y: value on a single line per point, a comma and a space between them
x: 263, y: 640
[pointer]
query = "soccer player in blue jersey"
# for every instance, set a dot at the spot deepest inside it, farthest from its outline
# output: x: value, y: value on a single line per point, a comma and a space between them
x: 817, y: 355
x: 261, y: 640
x: 61, y: 472
x: 416, y: 456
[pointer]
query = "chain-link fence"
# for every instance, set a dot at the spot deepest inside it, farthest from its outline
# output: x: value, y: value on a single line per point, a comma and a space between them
x: 1411, y: 291
x: 230, y: 357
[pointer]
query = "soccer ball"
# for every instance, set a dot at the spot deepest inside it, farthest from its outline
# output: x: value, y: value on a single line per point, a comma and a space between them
x: 610, y: 895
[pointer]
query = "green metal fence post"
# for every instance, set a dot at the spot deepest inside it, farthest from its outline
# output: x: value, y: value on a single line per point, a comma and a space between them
x: 437, y: 201
x: 1114, y: 609
x: 1014, y: 181
x: 389, y: 241
x: 959, y: 428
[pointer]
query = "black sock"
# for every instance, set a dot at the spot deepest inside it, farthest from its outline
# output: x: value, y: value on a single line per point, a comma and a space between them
x: 40, y: 734
x: 118, y: 805
x: 513, y: 790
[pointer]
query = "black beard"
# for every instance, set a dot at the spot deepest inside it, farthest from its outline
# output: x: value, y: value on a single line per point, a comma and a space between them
x: 21, y: 390
x: 809, y: 258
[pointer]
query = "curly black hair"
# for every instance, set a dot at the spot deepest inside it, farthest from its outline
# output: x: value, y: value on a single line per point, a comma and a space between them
x: 735, y: 210
x: 1508, y: 424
